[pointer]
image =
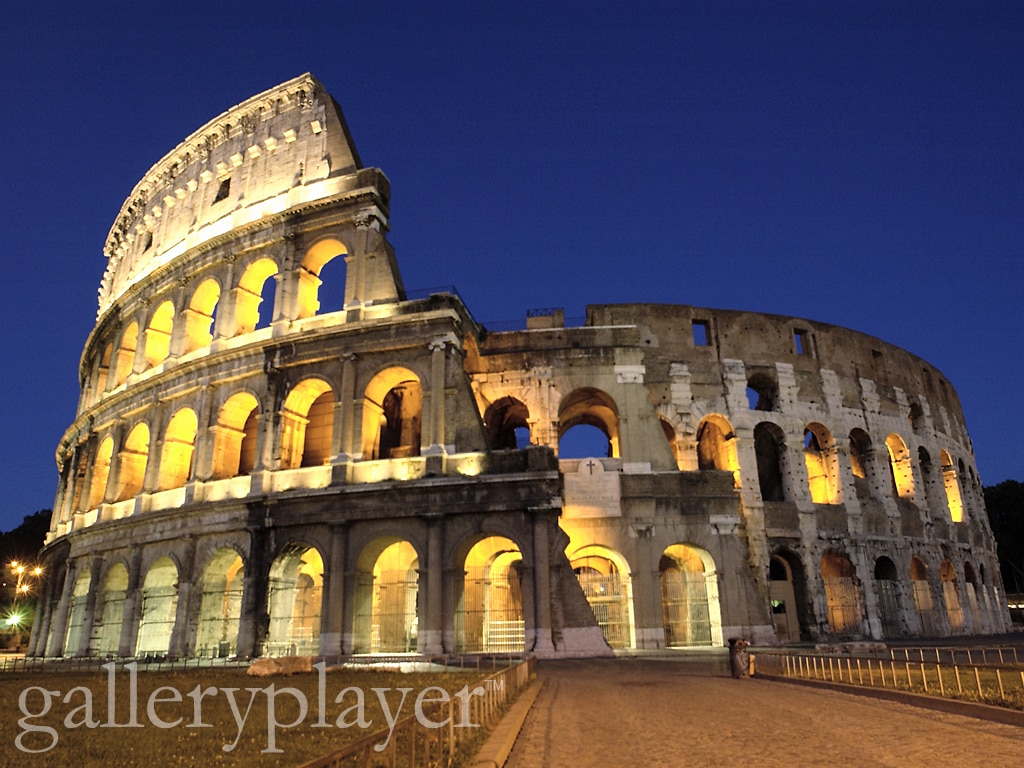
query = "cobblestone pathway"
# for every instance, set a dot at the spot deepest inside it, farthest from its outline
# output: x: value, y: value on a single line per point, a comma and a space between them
x: 654, y: 712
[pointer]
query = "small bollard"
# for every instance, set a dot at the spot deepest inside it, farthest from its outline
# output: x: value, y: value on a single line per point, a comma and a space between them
x: 739, y: 659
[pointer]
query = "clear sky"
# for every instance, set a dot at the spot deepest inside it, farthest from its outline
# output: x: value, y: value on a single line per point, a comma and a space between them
x: 854, y: 163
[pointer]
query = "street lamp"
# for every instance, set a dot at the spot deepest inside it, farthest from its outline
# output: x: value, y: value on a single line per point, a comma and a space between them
x: 25, y: 575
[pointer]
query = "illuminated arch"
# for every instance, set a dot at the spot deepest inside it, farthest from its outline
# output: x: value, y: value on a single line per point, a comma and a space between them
x: 923, y: 598
x: 76, y: 613
x: 951, y: 483
x: 822, y: 464
x: 234, y: 436
x: 100, y: 473
x: 604, y: 576
x: 691, y: 612
x: 293, y: 602
x: 110, y: 611
x: 307, y: 424
x: 489, y: 613
x: 842, y: 594
x: 200, y: 315
x: 317, y: 257
x: 716, y: 446
x: 507, y: 421
x: 252, y: 287
x: 158, y: 334
x: 589, y: 407
x: 178, y: 447
x: 901, y: 473
x: 386, y: 597
x: 220, y: 605
x: 392, y: 415
x: 159, y: 608
x: 132, y: 462
x: 126, y: 353
x: 887, y: 590
x: 951, y: 595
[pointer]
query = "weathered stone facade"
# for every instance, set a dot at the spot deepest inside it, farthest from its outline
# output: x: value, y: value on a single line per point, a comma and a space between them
x: 254, y: 470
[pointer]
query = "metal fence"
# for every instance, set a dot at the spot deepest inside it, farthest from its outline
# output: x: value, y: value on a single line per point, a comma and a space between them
x: 414, y: 744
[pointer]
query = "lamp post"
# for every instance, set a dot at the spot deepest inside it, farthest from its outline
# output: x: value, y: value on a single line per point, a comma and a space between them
x: 24, y: 575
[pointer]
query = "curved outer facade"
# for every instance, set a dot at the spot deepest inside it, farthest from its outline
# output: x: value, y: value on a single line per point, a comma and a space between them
x: 279, y: 450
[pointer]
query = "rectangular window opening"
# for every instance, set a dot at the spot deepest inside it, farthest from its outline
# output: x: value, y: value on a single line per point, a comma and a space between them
x: 223, y: 191
x: 701, y: 333
x: 802, y: 341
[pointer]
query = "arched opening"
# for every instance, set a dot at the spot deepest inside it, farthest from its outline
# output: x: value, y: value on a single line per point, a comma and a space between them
x: 102, y: 371
x: 254, y: 299
x: 716, y: 447
x: 387, y: 598
x: 220, y: 605
x: 691, y: 614
x: 860, y: 462
x: 126, y: 353
x: 111, y: 611
x: 76, y: 614
x: 178, y: 447
x: 132, y: 462
x: 307, y: 425
x: 675, y: 444
x: 886, y: 578
x: 785, y: 579
x: 100, y: 473
x: 978, y: 618
x: 762, y: 392
x: 951, y: 484
x: 603, y: 575
x: 294, y: 602
x: 159, y: 606
x: 200, y: 315
x: 158, y: 334
x: 314, y: 272
x: 842, y: 594
x: 489, y: 614
x: 769, y: 446
x: 951, y: 596
x: 900, y: 471
x: 507, y: 422
x: 234, y: 436
x: 392, y: 415
x: 933, y: 499
x: 588, y: 407
x: 923, y: 598
x: 822, y: 464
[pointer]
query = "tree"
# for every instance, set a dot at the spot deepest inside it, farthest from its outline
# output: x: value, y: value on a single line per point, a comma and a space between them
x: 1005, y: 504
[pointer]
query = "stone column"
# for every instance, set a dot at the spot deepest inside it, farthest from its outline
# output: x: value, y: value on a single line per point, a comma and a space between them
x: 179, y: 642
x: 431, y: 634
x: 333, y: 604
x: 132, y: 606
x: 436, y: 438
x: 85, y: 639
x: 541, y: 584
x: 342, y: 438
x: 59, y: 628
x: 254, y: 620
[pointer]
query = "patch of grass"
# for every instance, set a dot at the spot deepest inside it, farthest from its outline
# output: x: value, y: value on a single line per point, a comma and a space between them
x: 186, y: 718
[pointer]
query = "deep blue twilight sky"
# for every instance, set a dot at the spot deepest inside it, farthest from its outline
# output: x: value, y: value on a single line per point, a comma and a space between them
x: 858, y: 163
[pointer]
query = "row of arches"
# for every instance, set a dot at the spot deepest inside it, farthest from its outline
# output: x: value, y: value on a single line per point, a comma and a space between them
x: 218, y: 307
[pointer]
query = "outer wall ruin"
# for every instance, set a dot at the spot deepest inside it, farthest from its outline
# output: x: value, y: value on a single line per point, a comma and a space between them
x: 279, y: 450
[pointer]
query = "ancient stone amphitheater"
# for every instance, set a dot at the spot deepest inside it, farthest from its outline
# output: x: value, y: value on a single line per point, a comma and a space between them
x: 281, y: 450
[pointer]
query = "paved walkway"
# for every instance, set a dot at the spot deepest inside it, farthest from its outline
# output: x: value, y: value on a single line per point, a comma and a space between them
x: 659, y: 712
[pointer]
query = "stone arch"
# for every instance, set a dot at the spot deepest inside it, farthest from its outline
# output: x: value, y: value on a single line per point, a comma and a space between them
x: 110, y: 610
x: 220, y: 604
x: 158, y: 334
x: 716, y: 446
x: 178, y: 448
x: 842, y: 594
x: 887, y: 590
x: 923, y: 602
x: 159, y: 608
x: 307, y: 424
x: 951, y: 484
x: 691, y: 614
x: 387, y: 597
x: 76, y: 613
x: 100, y: 473
x: 294, y: 600
x: 787, y: 594
x: 951, y: 595
x: 979, y: 618
x: 762, y: 392
x: 489, y: 598
x: 200, y: 315
x: 900, y: 470
x: 132, y: 462
x: 235, y: 436
x: 253, y: 288
x: 605, y: 577
x: 392, y: 414
x: 309, y: 281
x: 125, y: 358
x: 770, y: 449
x: 820, y: 458
x: 507, y: 421
x: 861, y: 461
x: 589, y: 407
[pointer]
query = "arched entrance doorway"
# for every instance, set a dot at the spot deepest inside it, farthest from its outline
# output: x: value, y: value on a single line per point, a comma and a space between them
x: 923, y: 598
x: 111, y: 611
x: 886, y: 577
x: 842, y: 594
x: 689, y: 598
x: 293, y: 602
x: 159, y: 605
x: 490, y: 608
x: 604, y: 577
x: 782, y: 597
x: 220, y: 605
x: 951, y: 596
x: 386, y: 599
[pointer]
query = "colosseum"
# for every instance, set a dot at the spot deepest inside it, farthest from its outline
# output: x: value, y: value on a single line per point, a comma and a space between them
x: 278, y: 449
